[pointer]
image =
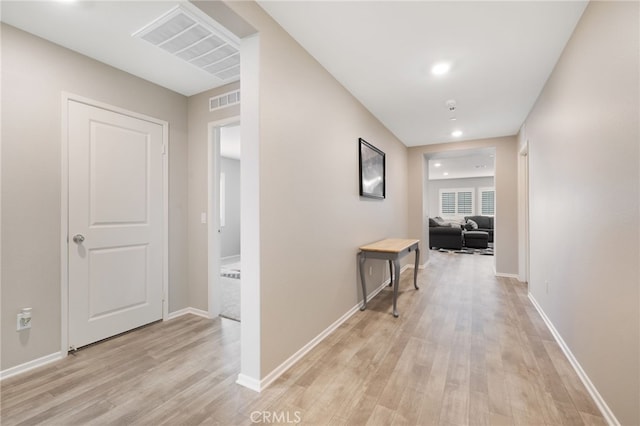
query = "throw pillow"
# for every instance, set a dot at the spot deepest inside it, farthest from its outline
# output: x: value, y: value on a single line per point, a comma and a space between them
x: 473, y: 224
x: 456, y: 222
x: 433, y: 223
x: 440, y: 221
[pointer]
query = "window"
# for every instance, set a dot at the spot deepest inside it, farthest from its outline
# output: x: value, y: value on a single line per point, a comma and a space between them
x: 456, y: 202
x: 487, y: 201
x: 447, y: 203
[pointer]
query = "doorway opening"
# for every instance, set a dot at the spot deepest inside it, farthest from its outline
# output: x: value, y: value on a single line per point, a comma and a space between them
x: 224, y: 259
x: 460, y: 199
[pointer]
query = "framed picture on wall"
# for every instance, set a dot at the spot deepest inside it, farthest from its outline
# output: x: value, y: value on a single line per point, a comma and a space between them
x: 372, y: 171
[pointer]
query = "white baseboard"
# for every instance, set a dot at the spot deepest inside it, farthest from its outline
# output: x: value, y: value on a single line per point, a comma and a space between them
x: 505, y: 275
x: 22, y: 368
x: 600, y: 402
x: 422, y: 266
x: 279, y: 370
x: 248, y: 382
x: 185, y: 311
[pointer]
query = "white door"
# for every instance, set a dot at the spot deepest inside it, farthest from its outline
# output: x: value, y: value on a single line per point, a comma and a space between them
x: 115, y: 223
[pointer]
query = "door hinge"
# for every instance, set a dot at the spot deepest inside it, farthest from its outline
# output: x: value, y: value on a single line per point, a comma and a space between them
x: 164, y: 149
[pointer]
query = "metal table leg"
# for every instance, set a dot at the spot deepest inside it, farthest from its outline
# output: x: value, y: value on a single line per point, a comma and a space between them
x: 415, y: 269
x: 361, y: 260
x: 396, y: 284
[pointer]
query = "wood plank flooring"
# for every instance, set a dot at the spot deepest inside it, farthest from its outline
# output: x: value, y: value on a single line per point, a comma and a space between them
x: 467, y: 349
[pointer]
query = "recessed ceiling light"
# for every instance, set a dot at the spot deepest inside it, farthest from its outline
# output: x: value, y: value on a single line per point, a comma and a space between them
x: 456, y: 133
x: 440, y: 68
x: 446, y: 174
x: 437, y: 165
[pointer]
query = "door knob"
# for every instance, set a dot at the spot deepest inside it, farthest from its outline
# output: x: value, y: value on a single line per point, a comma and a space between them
x: 78, y: 238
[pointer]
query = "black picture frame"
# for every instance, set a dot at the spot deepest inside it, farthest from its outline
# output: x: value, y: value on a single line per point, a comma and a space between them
x: 372, y: 170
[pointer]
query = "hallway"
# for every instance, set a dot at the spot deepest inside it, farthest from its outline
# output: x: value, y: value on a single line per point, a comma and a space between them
x: 468, y: 348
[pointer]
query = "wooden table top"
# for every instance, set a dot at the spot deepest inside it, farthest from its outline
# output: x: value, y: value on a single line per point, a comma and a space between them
x: 390, y: 245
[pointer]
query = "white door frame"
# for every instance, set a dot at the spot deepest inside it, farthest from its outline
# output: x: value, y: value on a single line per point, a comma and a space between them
x: 64, y: 209
x: 213, y: 213
x: 523, y: 212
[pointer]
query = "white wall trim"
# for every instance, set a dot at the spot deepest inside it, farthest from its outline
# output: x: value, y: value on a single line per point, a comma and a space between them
x: 505, y: 275
x: 523, y: 206
x: 279, y: 370
x: 600, y: 402
x: 250, y: 248
x: 186, y: 311
x: 64, y: 224
x: 27, y: 366
x: 420, y: 266
x: 248, y: 382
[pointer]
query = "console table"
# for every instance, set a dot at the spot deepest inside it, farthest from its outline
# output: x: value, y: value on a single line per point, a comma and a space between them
x: 392, y: 250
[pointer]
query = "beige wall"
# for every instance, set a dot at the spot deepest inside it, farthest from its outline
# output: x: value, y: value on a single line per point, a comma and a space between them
x: 34, y: 73
x: 584, y: 194
x: 506, y: 218
x: 199, y: 119
x: 311, y: 217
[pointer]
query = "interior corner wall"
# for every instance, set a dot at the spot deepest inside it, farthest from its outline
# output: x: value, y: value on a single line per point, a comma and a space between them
x: 584, y: 201
x: 312, y: 219
x: 505, y: 183
x: 35, y: 72
x: 199, y: 118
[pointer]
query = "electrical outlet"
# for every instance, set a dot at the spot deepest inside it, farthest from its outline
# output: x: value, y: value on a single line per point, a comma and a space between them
x: 370, y: 270
x: 23, y: 319
x: 546, y: 285
x: 23, y: 322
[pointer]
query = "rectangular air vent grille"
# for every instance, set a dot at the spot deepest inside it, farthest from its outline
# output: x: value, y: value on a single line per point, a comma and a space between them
x: 193, y: 38
x: 224, y: 100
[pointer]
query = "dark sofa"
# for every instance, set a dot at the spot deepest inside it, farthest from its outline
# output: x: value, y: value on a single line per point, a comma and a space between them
x: 444, y: 235
x: 485, y: 223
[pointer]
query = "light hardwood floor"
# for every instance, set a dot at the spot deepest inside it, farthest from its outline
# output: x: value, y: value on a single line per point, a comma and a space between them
x: 467, y: 349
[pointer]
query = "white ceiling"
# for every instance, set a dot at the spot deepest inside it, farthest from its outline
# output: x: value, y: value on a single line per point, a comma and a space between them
x: 102, y: 30
x: 501, y: 53
x: 462, y: 164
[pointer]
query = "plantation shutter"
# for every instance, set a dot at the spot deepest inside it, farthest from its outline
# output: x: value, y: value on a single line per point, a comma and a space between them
x: 447, y: 203
x: 487, y: 201
x: 465, y: 203
x: 456, y: 202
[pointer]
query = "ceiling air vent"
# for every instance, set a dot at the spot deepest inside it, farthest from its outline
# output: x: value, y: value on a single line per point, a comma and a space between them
x: 224, y: 100
x: 196, y: 38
